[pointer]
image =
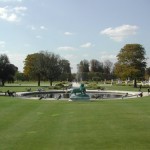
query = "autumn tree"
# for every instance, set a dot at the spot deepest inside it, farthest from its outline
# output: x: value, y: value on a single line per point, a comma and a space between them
x: 46, y: 65
x: 34, y: 66
x: 131, y: 62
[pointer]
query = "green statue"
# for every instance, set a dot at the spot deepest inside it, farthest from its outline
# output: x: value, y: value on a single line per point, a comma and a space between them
x: 81, y: 90
x: 79, y: 93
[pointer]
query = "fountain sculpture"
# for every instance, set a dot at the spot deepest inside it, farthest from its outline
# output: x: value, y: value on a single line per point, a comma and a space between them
x: 79, y: 93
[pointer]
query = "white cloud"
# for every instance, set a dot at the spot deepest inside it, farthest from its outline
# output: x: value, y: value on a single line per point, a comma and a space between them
x: 2, y: 44
x: 121, y: 32
x: 87, y: 45
x: 43, y: 28
x: 66, y: 48
x: 12, y: 14
x: 32, y: 27
x: 69, y: 56
x: 107, y: 56
x: 68, y: 33
x: 20, y: 9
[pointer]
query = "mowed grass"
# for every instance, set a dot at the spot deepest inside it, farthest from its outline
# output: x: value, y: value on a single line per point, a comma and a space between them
x: 63, y: 125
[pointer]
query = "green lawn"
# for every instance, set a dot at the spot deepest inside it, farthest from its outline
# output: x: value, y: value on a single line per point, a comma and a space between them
x: 23, y: 86
x: 63, y: 125
x: 123, y: 88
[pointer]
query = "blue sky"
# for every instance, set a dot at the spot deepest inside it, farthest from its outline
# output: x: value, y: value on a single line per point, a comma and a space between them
x: 74, y: 29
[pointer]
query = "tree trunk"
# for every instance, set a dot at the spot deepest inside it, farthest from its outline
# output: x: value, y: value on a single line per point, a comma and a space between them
x: 39, y: 79
x: 135, y: 83
x: 3, y: 83
x: 51, y: 82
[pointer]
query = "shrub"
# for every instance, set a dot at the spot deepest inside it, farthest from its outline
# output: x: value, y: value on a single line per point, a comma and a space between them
x: 57, y: 87
x: 59, y: 84
x: 50, y: 87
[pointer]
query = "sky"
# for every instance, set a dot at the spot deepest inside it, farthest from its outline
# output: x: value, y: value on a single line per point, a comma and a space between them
x: 74, y: 29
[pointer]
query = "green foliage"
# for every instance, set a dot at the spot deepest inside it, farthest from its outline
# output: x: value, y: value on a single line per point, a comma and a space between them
x: 94, y: 86
x: 83, y: 66
x: 21, y: 77
x: 47, y: 66
x: 131, y: 62
x: 94, y: 70
x: 50, y: 87
x: 58, y: 86
x: 7, y: 70
x: 96, y: 66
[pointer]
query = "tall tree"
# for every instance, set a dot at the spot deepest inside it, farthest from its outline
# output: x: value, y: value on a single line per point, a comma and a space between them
x: 7, y: 70
x: 96, y: 66
x: 84, y: 66
x: 53, y: 66
x: 131, y: 62
x: 96, y: 70
x: 107, y: 69
x: 46, y: 65
x: 65, y: 69
x: 34, y: 66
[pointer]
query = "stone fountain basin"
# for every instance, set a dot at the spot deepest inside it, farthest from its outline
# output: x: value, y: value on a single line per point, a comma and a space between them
x: 93, y: 94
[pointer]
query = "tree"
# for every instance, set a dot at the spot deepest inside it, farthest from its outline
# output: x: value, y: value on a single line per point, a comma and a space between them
x: 147, y: 73
x: 7, y: 70
x: 66, y: 70
x: 34, y: 66
x: 96, y: 66
x: 53, y: 67
x: 107, y: 69
x: 131, y: 62
x: 21, y: 76
x: 84, y: 66
x: 46, y: 65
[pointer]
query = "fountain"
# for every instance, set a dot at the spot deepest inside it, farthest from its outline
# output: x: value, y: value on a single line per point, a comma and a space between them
x: 77, y: 92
